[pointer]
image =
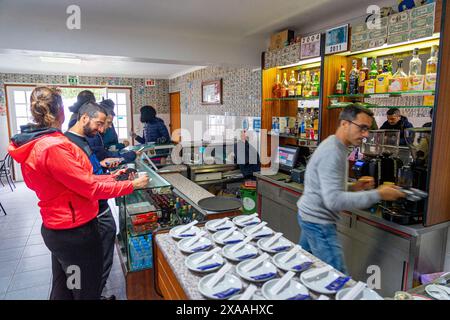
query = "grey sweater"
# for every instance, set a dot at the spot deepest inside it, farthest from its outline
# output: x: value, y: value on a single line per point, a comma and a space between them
x: 326, y: 192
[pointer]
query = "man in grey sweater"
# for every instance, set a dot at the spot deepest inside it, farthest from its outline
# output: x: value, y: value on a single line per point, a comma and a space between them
x: 326, y: 192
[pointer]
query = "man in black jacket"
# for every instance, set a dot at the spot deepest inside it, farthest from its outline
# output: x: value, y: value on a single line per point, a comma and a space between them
x: 395, y: 121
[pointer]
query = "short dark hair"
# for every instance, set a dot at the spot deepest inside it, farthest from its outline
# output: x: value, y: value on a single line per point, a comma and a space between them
x: 148, y: 114
x: 393, y: 111
x: 351, y: 112
x: 92, y: 109
x: 83, y: 97
x: 108, y: 105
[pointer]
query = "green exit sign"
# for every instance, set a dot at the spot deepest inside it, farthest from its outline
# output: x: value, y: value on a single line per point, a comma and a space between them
x: 72, y: 80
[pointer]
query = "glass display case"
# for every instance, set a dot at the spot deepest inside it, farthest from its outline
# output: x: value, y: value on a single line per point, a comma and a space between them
x: 145, y: 211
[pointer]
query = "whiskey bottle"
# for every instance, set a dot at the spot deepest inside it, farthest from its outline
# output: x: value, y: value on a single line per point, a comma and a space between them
x: 399, y: 81
x: 292, y: 83
x: 276, y: 89
x: 284, y: 87
x: 431, y: 69
x: 307, y: 86
x: 298, y: 85
x: 353, y: 79
x: 363, y: 75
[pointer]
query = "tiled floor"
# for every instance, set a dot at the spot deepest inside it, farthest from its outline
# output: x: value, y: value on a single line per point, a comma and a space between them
x: 25, y: 264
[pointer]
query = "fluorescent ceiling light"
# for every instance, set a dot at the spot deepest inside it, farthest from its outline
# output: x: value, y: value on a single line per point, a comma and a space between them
x: 60, y: 60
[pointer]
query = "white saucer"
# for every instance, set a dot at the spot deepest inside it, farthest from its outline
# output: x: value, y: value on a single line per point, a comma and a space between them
x: 264, y: 232
x: 235, y: 237
x: 186, y: 234
x: 265, y: 267
x: 291, y: 290
x: 215, y: 259
x: 201, y: 244
x: 246, y: 252
x: 319, y: 283
x: 366, y: 294
x: 282, y: 244
x: 294, y: 263
x: 228, y: 281
x: 253, y: 298
x: 252, y: 222
x: 224, y: 226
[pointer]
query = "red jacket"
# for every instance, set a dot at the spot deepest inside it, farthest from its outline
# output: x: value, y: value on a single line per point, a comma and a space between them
x: 61, y: 175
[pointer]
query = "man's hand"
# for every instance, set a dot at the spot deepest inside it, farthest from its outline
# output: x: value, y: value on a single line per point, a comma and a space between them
x: 390, y: 193
x: 110, y: 162
x: 140, y: 182
x: 364, y: 183
x: 118, y: 172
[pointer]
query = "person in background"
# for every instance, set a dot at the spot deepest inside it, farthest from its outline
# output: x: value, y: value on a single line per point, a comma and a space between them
x: 154, y: 128
x: 96, y: 141
x: 82, y: 98
x: 110, y: 138
x: 429, y: 124
x: 326, y: 194
x: 91, y: 120
x: 395, y: 121
x: 61, y: 175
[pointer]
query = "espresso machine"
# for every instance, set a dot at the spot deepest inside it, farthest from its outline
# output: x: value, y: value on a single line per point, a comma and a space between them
x: 412, y: 179
x: 380, y: 157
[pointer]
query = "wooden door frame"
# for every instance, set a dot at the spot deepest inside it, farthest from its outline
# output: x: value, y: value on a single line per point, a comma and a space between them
x: 170, y: 108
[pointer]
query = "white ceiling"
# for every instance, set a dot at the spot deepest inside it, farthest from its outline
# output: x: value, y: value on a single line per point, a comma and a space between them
x: 147, y: 32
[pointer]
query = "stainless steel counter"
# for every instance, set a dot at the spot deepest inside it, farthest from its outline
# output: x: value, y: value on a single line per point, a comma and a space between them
x: 402, y: 253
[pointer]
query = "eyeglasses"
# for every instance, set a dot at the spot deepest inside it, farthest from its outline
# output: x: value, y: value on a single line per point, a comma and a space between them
x: 362, y: 128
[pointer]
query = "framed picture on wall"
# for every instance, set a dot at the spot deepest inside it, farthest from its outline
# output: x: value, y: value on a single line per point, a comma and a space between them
x: 212, y: 92
x: 337, y: 40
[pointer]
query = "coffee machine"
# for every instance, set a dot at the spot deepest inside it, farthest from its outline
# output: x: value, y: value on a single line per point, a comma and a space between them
x: 380, y: 160
x: 412, y: 178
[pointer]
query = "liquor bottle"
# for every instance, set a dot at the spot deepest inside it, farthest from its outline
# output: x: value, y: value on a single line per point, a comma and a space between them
x: 315, y: 89
x: 432, y: 61
x: 380, y: 66
x: 307, y: 85
x: 302, y: 125
x: 341, y: 86
x: 415, y: 65
x: 292, y: 83
x: 353, y: 79
x: 296, y: 127
x: 431, y: 70
x: 416, y: 79
x: 399, y: 81
x: 298, y: 85
x: 363, y: 75
x: 316, y: 125
x: 308, y: 124
x: 284, y: 87
x: 373, y: 69
x: 389, y: 67
x: 276, y: 89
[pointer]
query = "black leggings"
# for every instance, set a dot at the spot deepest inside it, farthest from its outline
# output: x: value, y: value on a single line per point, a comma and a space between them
x: 77, y: 261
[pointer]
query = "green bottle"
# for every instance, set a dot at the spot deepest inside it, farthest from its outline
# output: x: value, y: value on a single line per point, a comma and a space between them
x: 373, y: 73
x: 341, y: 86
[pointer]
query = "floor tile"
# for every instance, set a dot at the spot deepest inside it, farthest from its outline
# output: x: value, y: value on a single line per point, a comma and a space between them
x: 7, y: 234
x: 35, y: 250
x: 4, y: 284
x: 10, y: 254
x: 13, y: 243
x: 8, y: 268
x: 34, y: 293
x: 30, y: 279
x: 35, y: 239
x: 34, y: 263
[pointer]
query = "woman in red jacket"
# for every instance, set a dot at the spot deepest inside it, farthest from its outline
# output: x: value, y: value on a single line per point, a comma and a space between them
x: 61, y: 175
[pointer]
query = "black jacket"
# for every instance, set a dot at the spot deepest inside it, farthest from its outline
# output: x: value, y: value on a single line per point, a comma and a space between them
x: 401, y: 125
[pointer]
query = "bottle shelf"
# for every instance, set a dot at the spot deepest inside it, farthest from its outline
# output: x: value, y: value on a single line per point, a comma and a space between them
x: 293, y: 99
x: 382, y: 107
x: 291, y: 136
x: 422, y: 93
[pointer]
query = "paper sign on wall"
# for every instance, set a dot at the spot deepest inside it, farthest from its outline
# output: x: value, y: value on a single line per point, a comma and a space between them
x: 310, y: 47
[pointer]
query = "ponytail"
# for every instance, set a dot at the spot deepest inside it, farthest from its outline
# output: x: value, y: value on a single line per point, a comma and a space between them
x: 45, y: 104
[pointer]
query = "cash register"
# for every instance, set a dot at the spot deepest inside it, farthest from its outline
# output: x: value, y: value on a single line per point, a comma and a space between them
x: 291, y: 160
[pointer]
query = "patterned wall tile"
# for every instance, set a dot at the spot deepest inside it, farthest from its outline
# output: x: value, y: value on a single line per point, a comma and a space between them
x: 157, y: 96
x: 241, y: 91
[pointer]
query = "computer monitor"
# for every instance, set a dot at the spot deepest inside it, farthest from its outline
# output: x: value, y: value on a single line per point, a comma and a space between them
x: 287, y: 157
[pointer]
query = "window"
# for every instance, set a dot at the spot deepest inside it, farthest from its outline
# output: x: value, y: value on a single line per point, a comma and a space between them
x: 19, y: 106
x: 122, y: 120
